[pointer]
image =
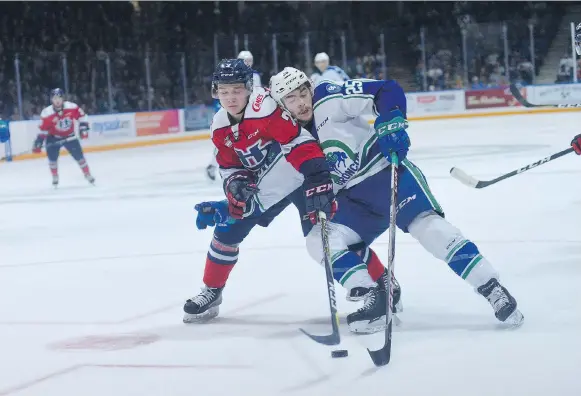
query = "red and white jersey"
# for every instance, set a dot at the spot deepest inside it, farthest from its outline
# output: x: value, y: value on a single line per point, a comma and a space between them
x: 267, y: 142
x: 61, y: 123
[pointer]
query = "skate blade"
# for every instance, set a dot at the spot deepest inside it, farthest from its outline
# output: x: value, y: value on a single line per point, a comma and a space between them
x: 514, y: 321
x: 205, y: 317
x: 365, y: 327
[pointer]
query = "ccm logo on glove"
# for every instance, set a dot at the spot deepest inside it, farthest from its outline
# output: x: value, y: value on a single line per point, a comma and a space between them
x: 319, y: 189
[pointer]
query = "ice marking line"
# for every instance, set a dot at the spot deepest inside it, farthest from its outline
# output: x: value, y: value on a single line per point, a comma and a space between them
x: 25, y: 385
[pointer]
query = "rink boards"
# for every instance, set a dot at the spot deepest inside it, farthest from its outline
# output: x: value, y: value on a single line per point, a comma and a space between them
x: 130, y: 130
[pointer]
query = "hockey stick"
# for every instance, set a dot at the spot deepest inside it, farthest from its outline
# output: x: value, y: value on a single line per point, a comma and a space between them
x: 470, y: 181
x: 518, y: 96
x: 57, y: 143
x: 382, y: 356
x: 334, y: 338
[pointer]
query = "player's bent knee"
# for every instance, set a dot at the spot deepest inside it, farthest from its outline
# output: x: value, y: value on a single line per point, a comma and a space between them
x: 340, y: 238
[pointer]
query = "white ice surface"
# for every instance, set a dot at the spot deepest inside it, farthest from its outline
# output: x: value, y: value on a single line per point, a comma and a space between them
x: 93, y: 279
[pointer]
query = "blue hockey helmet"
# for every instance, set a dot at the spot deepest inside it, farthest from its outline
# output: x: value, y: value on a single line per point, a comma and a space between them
x: 57, y: 92
x: 578, y: 39
x: 232, y: 71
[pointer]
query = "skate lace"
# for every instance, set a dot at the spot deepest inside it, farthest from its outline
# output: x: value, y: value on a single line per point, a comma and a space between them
x: 369, y: 301
x: 498, y: 299
x: 205, y: 297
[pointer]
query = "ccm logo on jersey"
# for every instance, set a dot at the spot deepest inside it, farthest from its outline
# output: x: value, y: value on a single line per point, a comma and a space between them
x: 258, y: 102
x: 319, y: 189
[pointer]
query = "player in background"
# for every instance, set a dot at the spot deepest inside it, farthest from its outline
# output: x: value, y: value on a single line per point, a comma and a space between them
x: 359, y: 159
x: 266, y: 160
x: 57, y: 129
x: 247, y: 57
x: 576, y: 144
x: 4, y: 131
x: 326, y: 72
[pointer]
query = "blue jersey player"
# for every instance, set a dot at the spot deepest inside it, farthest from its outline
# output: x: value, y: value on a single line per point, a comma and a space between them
x: 358, y: 155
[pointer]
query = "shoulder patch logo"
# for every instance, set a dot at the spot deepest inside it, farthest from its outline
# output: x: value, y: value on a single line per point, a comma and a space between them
x: 332, y: 88
x: 258, y: 102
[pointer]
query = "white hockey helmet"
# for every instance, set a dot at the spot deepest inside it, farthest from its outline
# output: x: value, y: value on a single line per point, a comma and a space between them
x: 285, y: 82
x: 247, y: 57
x: 321, y: 57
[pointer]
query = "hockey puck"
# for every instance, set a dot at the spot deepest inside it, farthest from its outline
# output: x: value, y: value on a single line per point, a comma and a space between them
x: 339, y: 353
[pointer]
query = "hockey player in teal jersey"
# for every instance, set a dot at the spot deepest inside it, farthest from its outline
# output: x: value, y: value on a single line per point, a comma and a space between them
x: 338, y: 115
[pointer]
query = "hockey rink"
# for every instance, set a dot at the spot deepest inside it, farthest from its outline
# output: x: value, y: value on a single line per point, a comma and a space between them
x: 93, y: 279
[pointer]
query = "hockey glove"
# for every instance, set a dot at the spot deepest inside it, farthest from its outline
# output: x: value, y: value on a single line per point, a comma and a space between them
x: 576, y: 144
x: 391, y: 134
x: 38, y: 143
x: 213, y: 213
x: 319, y: 196
x: 239, y: 188
x: 84, y: 130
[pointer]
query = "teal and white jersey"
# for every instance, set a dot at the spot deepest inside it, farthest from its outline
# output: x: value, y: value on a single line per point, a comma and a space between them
x: 343, y: 112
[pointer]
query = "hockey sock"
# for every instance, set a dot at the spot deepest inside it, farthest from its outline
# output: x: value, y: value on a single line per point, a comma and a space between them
x: 350, y: 271
x: 447, y: 243
x: 54, y: 168
x: 84, y: 167
x: 219, y: 262
x: 375, y: 267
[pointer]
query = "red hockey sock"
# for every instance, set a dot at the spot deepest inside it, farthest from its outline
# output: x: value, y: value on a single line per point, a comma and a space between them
x: 216, y: 275
x: 54, y: 170
x: 84, y: 166
x: 374, y: 266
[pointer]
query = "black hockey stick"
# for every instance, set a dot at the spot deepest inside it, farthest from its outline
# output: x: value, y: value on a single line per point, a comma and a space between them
x: 334, y: 338
x: 518, y: 96
x: 57, y: 143
x: 382, y: 356
x: 470, y: 181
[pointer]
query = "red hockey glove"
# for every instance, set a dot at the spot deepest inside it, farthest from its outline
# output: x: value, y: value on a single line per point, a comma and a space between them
x: 576, y: 144
x: 84, y: 130
x: 239, y: 188
x: 38, y: 143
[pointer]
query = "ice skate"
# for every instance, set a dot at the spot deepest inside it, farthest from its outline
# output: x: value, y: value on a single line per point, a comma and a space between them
x: 504, y: 305
x: 397, y: 305
x: 90, y: 178
x: 371, y: 317
x: 55, y: 181
x: 359, y: 293
x: 204, y: 306
x: 211, y: 172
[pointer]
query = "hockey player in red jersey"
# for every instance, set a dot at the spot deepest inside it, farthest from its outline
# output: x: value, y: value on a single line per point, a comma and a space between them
x: 266, y: 161
x: 57, y: 129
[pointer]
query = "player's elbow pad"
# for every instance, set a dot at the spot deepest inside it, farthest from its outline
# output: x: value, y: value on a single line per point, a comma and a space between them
x: 390, y: 97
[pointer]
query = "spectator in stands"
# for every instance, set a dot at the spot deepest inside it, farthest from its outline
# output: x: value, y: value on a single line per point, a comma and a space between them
x: 476, y: 84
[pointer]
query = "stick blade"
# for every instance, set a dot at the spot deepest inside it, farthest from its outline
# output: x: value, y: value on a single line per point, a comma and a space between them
x: 382, y: 357
x: 463, y: 177
x: 331, y: 339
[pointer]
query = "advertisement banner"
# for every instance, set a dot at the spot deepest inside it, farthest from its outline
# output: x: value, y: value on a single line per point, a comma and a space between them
x: 436, y: 102
x: 491, y: 97
x: 109, y: 126
x: 157, y: 122
x: 198, y: 117
x: 559, y: 93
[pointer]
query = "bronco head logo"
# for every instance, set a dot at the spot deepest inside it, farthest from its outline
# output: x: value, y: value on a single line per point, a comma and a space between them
x: 335, y: 159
